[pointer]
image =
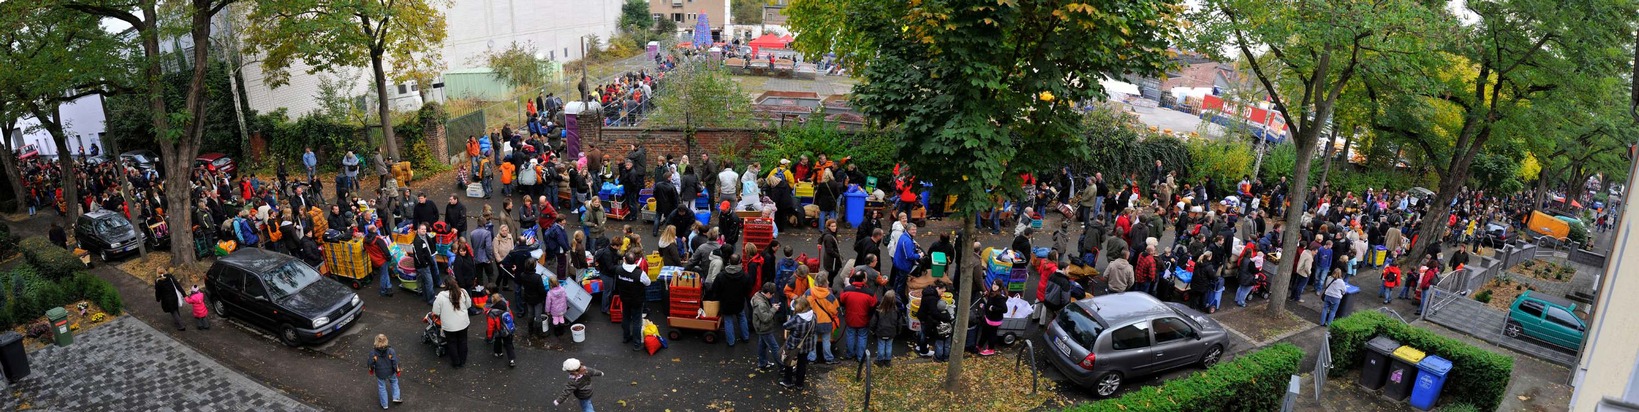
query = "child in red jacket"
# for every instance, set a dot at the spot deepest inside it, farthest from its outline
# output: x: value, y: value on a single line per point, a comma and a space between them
x: 200, y: 311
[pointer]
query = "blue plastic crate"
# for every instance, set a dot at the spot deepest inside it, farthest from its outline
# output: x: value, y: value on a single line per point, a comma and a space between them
x: 655, y: 292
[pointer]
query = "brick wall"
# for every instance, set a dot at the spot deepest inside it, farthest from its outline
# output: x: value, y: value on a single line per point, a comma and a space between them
x: 659, y: 142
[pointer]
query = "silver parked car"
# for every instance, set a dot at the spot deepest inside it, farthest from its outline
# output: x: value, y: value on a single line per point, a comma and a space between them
x: 1099, y: 342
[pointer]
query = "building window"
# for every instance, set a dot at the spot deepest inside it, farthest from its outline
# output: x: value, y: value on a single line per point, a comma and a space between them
x: 414, y: 87
x: 677, y: 17
x: 402, y: 89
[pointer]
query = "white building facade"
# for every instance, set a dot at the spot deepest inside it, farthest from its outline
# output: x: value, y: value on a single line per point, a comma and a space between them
x: 553, y: 27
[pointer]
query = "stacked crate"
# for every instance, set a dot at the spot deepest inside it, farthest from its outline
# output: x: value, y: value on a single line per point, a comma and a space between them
x: 759, y: 231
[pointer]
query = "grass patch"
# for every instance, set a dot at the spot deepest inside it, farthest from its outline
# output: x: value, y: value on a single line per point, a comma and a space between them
x: 988, y: 383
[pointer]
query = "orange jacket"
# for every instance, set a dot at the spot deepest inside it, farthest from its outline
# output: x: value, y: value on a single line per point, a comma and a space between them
x: 507, y: 170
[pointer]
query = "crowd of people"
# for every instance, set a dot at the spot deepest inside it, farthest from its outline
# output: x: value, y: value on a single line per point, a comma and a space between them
x: 1112, y: 237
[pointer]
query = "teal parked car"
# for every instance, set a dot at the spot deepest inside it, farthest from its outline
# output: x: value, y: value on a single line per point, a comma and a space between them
x: 1545, y: 318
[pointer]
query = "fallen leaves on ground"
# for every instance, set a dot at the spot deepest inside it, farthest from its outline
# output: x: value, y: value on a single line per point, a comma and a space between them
x: 147, y: 268
x: 919, y: 385
x: 1258, y: 324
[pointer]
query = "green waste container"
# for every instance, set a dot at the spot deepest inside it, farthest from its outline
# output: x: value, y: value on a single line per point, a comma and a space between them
x: 939, y: 263
x: 59, y: 326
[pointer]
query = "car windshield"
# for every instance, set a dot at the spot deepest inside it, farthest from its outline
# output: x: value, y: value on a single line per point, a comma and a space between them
x: 112, y: 226
x: 290, y: 278
x: 1080, y: 325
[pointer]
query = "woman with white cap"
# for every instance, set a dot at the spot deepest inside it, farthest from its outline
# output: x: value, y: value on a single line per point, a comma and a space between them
x: 580, y: 384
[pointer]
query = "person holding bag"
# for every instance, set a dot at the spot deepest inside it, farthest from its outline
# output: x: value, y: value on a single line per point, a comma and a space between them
x: 169, y: 295
x: 799, y: 340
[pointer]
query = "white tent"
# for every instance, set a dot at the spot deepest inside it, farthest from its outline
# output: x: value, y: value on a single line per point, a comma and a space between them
x: 1114, y: 87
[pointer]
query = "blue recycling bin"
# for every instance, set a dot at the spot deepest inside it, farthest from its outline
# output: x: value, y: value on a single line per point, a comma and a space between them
x: 1432, y: 377
x: 854, y: 199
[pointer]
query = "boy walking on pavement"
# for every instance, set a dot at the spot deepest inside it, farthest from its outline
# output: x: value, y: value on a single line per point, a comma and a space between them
x: 580, y: 384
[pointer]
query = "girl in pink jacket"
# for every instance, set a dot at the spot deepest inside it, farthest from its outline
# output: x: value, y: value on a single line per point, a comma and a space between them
x: 557, y: 303
x: 196, y: 298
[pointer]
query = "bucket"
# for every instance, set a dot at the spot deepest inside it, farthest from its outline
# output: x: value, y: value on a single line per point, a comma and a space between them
x: 577, y: 332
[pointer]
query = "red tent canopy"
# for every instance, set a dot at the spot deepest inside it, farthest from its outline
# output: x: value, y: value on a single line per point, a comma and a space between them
x: 770, y: 41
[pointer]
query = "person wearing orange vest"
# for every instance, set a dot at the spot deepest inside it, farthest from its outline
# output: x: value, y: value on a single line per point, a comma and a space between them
x: 506, y: 172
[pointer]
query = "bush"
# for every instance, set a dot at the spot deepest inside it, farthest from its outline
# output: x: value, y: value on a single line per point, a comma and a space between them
x: 53, y: 262
x: 1478, y: 377
x: 8, y: 240
x: 1483, y: 297
x: 872, y: 151
x: 29, y: 295
x: 1254, y: 382
x: 1459, y: 407
x: 101, y: 292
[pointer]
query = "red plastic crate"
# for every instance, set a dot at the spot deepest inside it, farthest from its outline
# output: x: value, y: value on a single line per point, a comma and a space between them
x: 615, y: 310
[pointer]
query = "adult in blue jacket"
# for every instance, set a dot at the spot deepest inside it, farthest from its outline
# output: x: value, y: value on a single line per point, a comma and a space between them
x: 482, y: 239
x: 905, y: 256
x: 1323, y: 264
x: 311, y: 162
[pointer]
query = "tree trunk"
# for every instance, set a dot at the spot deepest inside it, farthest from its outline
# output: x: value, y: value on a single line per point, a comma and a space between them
x: 964, y: 305
x: 70, y: 173
x: 179, y: 152
x: 1296, y: 196
x: 8, y: 160
x: 383, y: 105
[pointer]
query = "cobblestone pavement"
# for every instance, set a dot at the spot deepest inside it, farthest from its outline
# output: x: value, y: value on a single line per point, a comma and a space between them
x: 127, y: 365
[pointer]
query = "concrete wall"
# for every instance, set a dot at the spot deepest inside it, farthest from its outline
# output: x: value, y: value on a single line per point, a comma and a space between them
x: 554, y: 27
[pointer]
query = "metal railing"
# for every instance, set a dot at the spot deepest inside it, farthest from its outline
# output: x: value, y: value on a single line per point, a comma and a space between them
x: 1442, y: 293
x: 1385, y: 310
x: 1323, y: 364
x: 1035, y: 369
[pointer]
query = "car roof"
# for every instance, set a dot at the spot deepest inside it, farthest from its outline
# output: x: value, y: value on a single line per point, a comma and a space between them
x: 99, y: 214
x: 1561, y: 302
x: 210, y: 156
x: 255, y: 260
x: 1121, y: 308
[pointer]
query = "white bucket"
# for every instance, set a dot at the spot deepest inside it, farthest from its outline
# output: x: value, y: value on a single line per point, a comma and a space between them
x: 577, y: 332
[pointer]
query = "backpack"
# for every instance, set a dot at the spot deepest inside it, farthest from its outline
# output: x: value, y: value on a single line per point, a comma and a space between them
x: 783, y: 271
x: 1056, y: 296
x: 247, y: 235
x: 943, y: 328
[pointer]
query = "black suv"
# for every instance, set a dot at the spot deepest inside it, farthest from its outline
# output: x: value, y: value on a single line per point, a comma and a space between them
x: 107, y: 234
x: 278, y: 292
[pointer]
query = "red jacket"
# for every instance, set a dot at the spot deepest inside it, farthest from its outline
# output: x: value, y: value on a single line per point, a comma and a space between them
x: 1391, y: 277
x: 1144, y: 268
x: 857, y: 305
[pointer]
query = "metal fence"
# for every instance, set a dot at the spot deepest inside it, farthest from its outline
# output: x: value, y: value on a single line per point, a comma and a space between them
x: 457, y: 129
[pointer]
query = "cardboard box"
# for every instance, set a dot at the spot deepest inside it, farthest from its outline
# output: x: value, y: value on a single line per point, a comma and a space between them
x: 710, y: 307
x: 693, y: 323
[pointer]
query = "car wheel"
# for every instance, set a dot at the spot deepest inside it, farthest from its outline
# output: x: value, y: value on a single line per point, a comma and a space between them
x: 221, y: 308
x: 1009, y: 339
x: 287, y: 335
x: 1107, y: 384
x: 103, y: 255
x: 1513, y: 329
x: 1212, y: 356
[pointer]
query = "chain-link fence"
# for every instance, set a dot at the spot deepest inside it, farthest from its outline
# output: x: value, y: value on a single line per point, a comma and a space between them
x: 456, y: 130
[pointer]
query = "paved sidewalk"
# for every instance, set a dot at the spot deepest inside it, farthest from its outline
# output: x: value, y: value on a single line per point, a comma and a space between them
x: 127, y: 365
x: 1471, y: 317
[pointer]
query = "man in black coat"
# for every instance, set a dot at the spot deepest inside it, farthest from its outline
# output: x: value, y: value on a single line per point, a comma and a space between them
x: 169, y: 295
x: 426, y: 213
x: 631, y: 179
x: 688, y: 192
x: 665, y: 200
x: 426, y: 268
x: 868, y: 246
x: 630, y: 283
x: 455, y: 215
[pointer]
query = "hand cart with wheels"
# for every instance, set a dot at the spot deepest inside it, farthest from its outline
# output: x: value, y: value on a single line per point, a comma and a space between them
x: 347, y: 262
x: 684, y: 309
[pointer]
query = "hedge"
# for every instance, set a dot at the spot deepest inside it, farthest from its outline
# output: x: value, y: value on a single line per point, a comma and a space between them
x: 26, y: 295
x: 1478, y: 377
x: 101, y: 292
x: 53, y: 262
x: 1255, y: 382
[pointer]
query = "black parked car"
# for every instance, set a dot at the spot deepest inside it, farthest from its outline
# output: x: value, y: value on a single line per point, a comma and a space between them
x: 1496, y: 236
x: 106, y: 234
x: 278, y: 292
x: 143, y: 160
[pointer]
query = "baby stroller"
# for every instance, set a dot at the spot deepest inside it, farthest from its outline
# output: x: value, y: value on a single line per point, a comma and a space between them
x: 433, y: 334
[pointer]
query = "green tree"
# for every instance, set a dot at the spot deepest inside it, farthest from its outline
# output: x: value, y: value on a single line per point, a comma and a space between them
x: 635, y: 17
x: 665, y: 29
x: 747, y: 11
x: 1314, y: 50
x: 700, y: 95
x: 54, y: 57
x: 177, y: 145
x: 1523, y: 64
x: 986, y: 84
x: 331, y: 34
x: 127, y: 113
x: 516, y: 65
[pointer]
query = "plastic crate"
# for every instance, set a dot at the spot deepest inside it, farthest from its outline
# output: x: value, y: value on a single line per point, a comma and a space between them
x: 804, y: 189
x: 616, y: 310
x: 655, y: 292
